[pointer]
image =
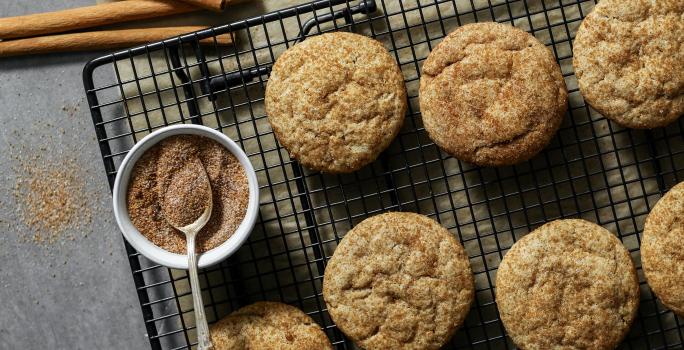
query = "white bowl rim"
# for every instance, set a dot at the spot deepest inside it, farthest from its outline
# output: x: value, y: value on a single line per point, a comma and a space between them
x: 147, y: 248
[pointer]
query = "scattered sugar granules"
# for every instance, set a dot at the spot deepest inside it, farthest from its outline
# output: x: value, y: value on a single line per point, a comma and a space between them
x: 51, y: 198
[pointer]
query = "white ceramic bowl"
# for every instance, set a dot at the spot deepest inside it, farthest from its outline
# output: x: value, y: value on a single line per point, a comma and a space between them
x: 155, y: 253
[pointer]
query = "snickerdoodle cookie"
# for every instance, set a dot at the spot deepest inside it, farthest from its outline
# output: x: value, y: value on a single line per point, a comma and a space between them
x: 268, y: 325
x: 336, y: 101
x: 399, y: 281
x: 570, y: 284
x: 492, y: 94
x: 629, y: 61
x: 662, y: 249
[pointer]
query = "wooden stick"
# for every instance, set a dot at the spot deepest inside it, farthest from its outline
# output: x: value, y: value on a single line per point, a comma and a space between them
x: 99, y: 40
x: 213, y: 5
x: 89, y: 16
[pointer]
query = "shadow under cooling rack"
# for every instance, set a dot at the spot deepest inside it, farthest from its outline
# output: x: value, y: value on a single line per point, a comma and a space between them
x: 593, y: 169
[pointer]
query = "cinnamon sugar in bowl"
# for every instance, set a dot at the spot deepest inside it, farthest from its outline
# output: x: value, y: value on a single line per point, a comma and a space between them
x: 137, y: 194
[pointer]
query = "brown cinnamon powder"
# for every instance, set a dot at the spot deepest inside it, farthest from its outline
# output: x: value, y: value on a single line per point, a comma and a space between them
x: 150, y: 180
x: 52, y: 201
x: 188, y: 194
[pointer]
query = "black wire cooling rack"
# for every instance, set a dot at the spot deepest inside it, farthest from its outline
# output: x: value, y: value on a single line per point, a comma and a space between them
x: 593, y: 169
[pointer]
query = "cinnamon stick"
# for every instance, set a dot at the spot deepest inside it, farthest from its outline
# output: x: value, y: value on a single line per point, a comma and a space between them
x: 213, y: 5
x: 99, y: 40
x: 89, y: 16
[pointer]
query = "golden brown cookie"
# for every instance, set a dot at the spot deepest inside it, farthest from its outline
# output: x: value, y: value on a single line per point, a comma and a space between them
x: 629, y: 61
x: 570, y: 284
x: 336, y: 101
x: 662, y: 249
x: 268, y: 325
x: 398, y: 281
x: 492, y: 94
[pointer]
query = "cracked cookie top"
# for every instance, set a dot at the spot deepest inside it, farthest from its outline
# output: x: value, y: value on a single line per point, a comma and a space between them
x: 570, y: 284
x: 398, y: 281
x: 491, y: 94
x: 268, y: 325
x: 335, y: 101
x: 662, y: 249
x: 629, y: 61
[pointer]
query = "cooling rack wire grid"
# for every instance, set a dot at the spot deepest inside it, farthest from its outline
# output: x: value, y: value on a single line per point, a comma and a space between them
x: 593, y: 168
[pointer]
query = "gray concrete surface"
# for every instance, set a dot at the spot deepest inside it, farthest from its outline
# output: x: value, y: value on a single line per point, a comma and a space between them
x: 76, y: 292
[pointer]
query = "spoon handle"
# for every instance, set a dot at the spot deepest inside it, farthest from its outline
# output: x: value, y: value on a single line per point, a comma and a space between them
x: 203, y: 339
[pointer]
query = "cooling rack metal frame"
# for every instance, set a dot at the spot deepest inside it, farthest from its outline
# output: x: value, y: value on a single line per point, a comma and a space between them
x: 593, y: 169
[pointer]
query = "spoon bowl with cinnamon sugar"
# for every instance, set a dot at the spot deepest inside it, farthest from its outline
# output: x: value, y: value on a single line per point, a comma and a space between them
x: 153, y: 200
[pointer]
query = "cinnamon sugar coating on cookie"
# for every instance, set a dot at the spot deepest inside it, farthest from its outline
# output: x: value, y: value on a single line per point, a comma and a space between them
x: 491, y: 94
x: 570, y: 284
x: 336, y: 101
x: 268, y: 325
x: 662, y: 249
x: 629, y: 61
x: 399, y: 281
